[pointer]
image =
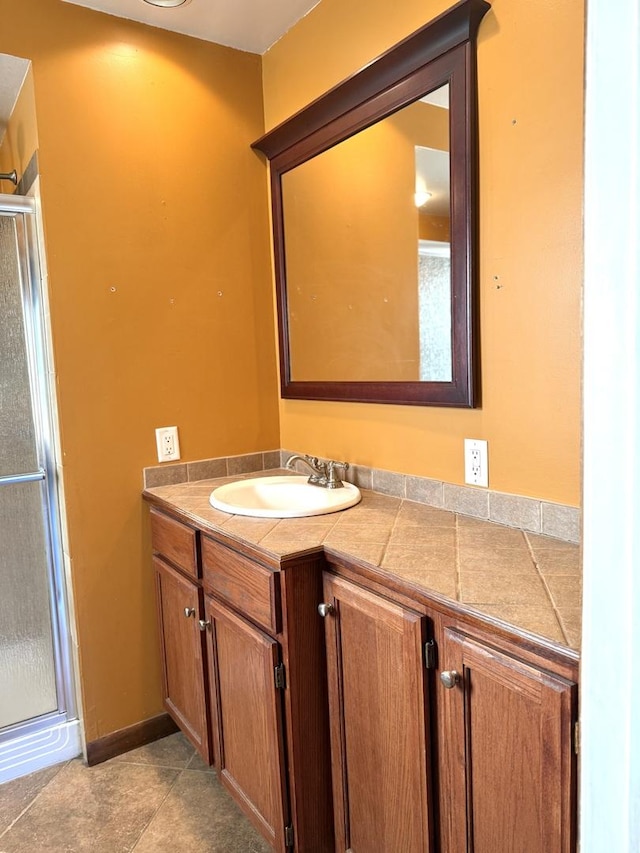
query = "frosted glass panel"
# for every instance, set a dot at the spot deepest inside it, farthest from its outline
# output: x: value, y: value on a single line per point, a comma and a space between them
x: 17, y: 441
x: 27, y: 674
x: 434, y: 298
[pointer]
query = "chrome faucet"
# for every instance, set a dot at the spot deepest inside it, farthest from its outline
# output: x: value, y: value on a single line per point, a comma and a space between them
x: 318, y: 474
x: 323, y: 472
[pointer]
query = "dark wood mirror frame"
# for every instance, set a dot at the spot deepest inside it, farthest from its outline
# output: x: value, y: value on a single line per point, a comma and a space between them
x: 441, y: 52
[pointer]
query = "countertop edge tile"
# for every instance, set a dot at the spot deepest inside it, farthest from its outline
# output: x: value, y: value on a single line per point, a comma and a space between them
x: 169, y: 497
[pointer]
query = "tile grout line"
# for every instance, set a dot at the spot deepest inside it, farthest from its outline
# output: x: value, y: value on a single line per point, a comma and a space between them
x: 164, y: 800
x: 385, y: 545
x: 149, y: 763
x: 547, y: 590
x: 37, y: 796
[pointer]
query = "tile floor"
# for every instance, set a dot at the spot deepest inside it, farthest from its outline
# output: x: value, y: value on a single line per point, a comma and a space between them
x: 160, y: 798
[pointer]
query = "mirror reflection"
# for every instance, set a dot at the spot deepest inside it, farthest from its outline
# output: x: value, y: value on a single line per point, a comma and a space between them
x: 367, y: 252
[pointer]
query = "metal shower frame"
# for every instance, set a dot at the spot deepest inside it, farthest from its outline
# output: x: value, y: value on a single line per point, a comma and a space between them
x: 24, y: 209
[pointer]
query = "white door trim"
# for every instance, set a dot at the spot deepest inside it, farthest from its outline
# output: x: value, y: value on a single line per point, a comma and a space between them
x: 610, y: 762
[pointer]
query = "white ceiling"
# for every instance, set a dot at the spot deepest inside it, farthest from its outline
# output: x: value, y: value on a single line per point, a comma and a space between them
x: 251, y: 25
x: 432, y: 175
x: 12, y: 74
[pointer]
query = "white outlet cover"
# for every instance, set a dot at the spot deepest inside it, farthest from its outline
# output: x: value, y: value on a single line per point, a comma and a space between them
x: 476, y: 462
x: 167, y: 444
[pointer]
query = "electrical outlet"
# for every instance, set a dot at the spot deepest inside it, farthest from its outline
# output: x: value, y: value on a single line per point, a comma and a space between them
x: 167, y: 444
x: 476, y: 462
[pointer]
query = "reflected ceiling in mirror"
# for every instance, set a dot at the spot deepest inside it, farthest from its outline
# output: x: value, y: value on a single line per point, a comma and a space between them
x: 374, y: 216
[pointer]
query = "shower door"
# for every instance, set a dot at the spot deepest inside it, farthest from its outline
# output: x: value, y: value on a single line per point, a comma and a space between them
x: 35, y: 683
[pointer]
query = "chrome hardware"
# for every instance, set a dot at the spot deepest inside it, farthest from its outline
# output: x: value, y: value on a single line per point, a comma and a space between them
x: 189, y: 611
x: 203, y: 624
x: 333, y: 481
x: 325, y: 609
x: 323, y: 473
x: 450, y: 678
x: 22, y: 478
x: 318, y: 471
x: 9, y: 176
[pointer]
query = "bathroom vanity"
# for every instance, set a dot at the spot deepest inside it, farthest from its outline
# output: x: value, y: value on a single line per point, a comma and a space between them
x: 348, y: 695
x: 392, y: 678
x: 243, y: 673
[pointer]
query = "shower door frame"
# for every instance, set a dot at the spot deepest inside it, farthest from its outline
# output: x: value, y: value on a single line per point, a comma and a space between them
x: 31, y: 261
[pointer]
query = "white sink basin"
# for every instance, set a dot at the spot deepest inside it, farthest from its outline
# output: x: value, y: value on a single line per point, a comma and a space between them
x: 282, y: 497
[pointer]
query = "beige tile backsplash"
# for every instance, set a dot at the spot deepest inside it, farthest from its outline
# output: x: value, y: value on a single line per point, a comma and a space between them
x: 534, y: 516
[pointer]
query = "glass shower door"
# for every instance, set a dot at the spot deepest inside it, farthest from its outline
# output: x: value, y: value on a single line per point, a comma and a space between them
x: 28, y: 630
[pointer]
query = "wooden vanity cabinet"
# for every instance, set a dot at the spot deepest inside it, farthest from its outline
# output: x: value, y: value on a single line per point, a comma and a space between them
x: 244, y: 675
x: 508, y: 773
x: 267, y: 673
x: 180, y: 607
x: 379, y: 718
x: 248, y: 725
x: 499, y: 754
x: 444, y: 733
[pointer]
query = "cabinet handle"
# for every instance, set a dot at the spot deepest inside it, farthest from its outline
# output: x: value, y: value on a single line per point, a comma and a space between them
x: 204, y: 624
x: 325, y: 609
x: 450, y: 678
x: 189, y: 611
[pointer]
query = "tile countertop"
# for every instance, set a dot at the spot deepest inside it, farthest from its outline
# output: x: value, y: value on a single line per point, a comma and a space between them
x: 528, y: 581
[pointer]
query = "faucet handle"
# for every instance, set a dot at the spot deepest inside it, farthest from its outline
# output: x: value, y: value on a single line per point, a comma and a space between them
x: 333, y: 481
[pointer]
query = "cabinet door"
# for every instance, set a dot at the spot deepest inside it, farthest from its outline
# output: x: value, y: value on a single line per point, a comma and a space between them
x: 379, y: 722
x: 182, y: 648
x: 248, y: 729
x: 508, y: 765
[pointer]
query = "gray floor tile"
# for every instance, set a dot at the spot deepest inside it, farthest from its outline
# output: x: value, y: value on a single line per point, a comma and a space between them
x: 197, y: 763
x: 143, y: 800
x: 102, y: 809
x: 199, y: 816
x: 15, y: 796
x: 173, y: 751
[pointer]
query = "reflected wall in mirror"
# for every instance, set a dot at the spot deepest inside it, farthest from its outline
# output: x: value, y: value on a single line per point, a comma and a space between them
x: 374, y: 212
x: 354, y: 218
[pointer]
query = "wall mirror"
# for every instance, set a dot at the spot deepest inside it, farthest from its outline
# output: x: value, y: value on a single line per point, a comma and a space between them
x: 374, y: 195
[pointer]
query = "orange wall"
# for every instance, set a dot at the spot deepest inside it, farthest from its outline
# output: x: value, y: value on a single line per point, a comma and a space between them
x: 344, y: 216
x: 530, y: 68
x: 156, y: 227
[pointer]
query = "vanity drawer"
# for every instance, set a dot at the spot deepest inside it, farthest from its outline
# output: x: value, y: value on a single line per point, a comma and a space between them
x: 175, y: 541
x: 250, y: 588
